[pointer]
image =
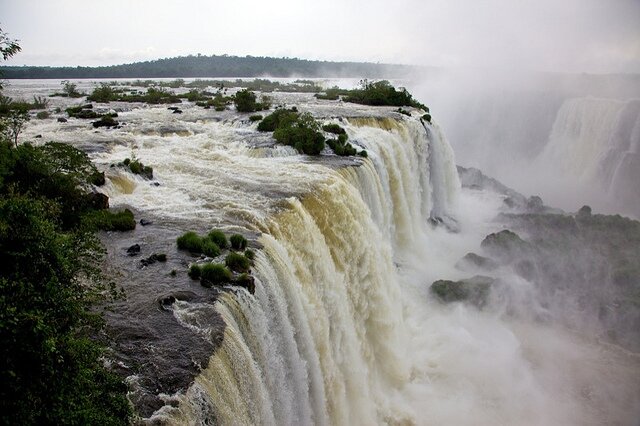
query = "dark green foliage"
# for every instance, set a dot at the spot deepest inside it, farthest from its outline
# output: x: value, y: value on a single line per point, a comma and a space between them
x: 237, y: 262
x: 197, y: 244
x: 334, y: 128
x: 52, y: 372
x: 194, y: 272
x: 381, y: 93
x: 250, y: 254
x: 214, y: 274
x: 160, y: 257
x: 137, y: 168
x: 238, y: 242
x: 340, y: 146
x: 103, y: 94
x: 245, y: 101
x: 220, y: 66
x: 363, y: 154
x: 190, y: 241
x: 109, y: 221
x: 255, y: 117
x: 427, y: 117
x: 300, y: 131
x: 281, y: 117
x: 210, y: 248
x: 219, y: 238
x: 42, y: 115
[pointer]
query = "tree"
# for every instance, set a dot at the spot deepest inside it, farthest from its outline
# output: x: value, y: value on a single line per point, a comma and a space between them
x: 8, y: 47
x: 12, y: 124
x: 245, y: 101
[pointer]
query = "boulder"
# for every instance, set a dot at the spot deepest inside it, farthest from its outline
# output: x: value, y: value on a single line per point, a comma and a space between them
x: 105, y: 121
x: 474, y: 290
x: 177, y: 111
x: 145, y: 222
x: 99, y: 201
x: 584, y: 212
x: 62, y: 120
x: 475, y: 261
x: 133, y: 250
x: 156, y: 257
x: 505, y: 244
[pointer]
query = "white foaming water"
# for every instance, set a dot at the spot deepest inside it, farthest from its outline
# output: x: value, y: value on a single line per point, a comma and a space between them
x: 342, y: 328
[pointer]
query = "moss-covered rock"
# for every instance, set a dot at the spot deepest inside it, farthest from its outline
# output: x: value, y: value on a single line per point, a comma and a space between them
x: 474, y: 290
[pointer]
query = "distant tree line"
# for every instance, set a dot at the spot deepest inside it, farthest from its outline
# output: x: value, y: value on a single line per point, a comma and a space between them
x: 216, y: 66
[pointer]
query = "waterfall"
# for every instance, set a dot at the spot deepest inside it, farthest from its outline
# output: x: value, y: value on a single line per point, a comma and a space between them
x: 595, y: 142
x: 323, y: 340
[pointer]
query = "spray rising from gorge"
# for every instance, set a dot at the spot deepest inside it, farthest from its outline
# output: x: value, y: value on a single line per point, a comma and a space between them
x: 342, y: 327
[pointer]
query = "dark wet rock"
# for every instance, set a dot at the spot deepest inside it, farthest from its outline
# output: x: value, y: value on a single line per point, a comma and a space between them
x: 503, y: 243
x: 177, y: 111
x: 98, y: 179
x: 38, y: 136
x: 156, y: 257
x: 475, y: 261
x: 86, y: 114
x: 247, y: 281
x: 173, y: 108
x: 535, y: 204
x: 155, y: 183
x: 87, y: 106
x: 474, y: 290
x: 62, y: 120
x: 99, y: 201
x: 133, y: 250
x: 105, y: 121
x: 449, y: 223
x: 584, y: 212
x: 145, y: 222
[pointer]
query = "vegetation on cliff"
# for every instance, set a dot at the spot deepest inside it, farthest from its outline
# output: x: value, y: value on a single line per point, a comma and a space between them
x: 53, y: 369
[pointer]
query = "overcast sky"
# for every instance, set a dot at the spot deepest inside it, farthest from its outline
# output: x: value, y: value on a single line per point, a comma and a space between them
x: 599, y: 36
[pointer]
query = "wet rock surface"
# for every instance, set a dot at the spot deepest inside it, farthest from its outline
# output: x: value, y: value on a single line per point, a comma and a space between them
x: 155, y: 345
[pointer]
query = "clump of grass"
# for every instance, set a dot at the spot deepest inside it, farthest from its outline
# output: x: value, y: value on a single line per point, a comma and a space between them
x: 219, y: 238
x: 214, y: 274
x: 334, y: 128
x: 194, y: 272
x: 237, y: 262
x: 249, y: 254
x: 190, y: 241
x: 238, y: 242
x: 255, y: 117
x: 109, y: 221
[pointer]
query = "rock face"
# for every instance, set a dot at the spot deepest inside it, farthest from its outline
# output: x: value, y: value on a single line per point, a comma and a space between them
x: 474, y: 290
x: 133, y: 250
x: 475, y: 261
x: 99, y: 201
x: 583, y: 271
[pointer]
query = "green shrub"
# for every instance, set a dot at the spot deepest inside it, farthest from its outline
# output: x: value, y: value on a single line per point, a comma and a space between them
x: 42, y: 115
x: 105, y: 121
x: 237, y: 262
x: 190, y: 241
x: 161, y: 257
x: 210, y: 248
x: 427, y: 117
x: 249, y: 254
x: 381, y: 93
x: 280, y: 117
x: 219, y: 238
x: 214, y: 274
x: 103, y: 94
x: 363, y: 154
x: 245, y: 101
x: 334, y: 128
x: 109, y: 221
x: 238, y: 242
x: 194, y: 272
x: 255, y: 117
x: 138, y: 168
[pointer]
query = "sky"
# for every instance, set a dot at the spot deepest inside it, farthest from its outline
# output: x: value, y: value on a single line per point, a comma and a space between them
x: 594, y: 36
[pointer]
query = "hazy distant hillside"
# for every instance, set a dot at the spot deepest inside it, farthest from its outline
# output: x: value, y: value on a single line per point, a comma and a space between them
x: 216, y: 66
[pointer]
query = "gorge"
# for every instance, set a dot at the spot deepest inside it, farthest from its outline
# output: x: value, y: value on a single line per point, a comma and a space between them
x: 343, y: 327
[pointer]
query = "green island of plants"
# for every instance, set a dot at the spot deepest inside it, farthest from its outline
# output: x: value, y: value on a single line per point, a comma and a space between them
x: 137, y: 167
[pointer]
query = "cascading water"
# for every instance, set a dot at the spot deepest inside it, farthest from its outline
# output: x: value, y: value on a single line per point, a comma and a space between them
x: 323, y: 339
x: 342, y: 328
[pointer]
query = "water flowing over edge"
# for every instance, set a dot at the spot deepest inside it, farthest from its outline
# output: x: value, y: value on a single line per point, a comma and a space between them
x: 322, y: 339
